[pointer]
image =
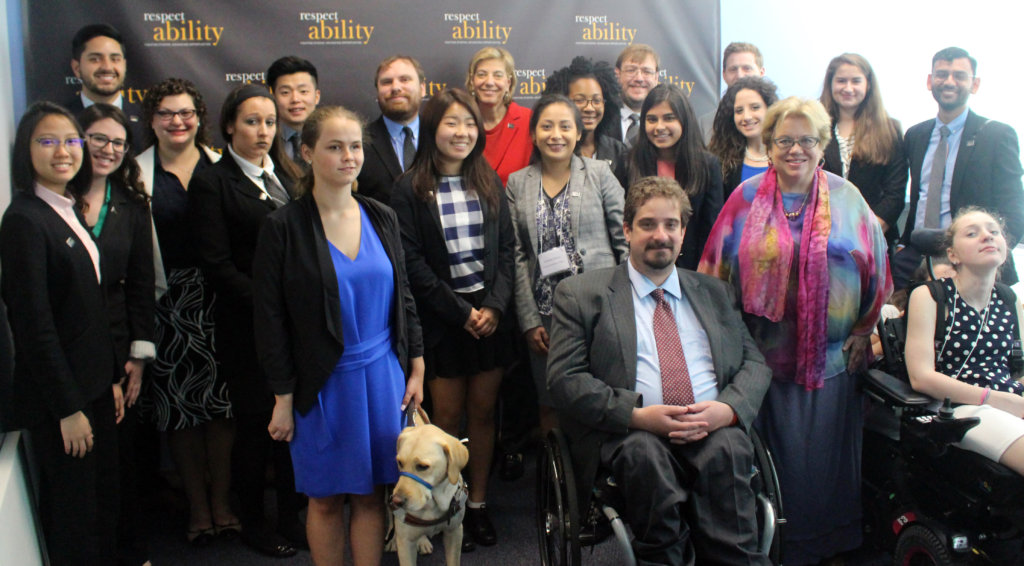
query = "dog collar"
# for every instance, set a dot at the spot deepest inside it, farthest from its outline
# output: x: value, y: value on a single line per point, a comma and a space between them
x: 417, y: 479
x: 458, y: 500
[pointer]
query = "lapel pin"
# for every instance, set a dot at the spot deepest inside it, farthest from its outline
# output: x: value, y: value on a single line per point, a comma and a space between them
x: 263, y: 196
x: 970, y: 142
x: 70, y: 242
x: 575, y: 194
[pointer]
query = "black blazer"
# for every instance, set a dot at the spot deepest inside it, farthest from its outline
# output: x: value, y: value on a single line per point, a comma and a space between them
x: 225, y: 211
x: 297, y: 313
x: 64, y: 357
x: 426, y: 259
x: 380, y: 164
x: 131, y: 110
x: 126, y: 260
x: 706, y: 205
x: 987, y: 173
x: 611, y: 151
x: 883, y: 185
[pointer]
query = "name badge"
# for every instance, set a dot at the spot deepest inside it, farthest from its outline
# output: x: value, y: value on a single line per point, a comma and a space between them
x: 553, y: 261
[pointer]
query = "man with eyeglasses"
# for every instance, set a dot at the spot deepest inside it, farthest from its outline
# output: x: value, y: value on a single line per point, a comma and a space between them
x: 958, y: 160
x: 637, y: 71
x: 97, y: 59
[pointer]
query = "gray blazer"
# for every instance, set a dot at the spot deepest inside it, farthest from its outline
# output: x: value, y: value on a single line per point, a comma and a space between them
x: 596, y: 201
x: 592, y: 358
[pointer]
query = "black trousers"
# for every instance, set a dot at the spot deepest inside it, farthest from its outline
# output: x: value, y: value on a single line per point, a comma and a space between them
x: 252, y: 451
x: 78, y: 497
x: 690, y: 503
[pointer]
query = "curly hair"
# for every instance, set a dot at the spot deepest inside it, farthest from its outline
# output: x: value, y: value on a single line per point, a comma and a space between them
x: 585, y: 68
x: 128, y: 173
x: 727, y: 143
x: 173, y: 87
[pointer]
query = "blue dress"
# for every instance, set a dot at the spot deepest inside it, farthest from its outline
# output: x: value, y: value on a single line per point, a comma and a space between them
x: 346, y: 443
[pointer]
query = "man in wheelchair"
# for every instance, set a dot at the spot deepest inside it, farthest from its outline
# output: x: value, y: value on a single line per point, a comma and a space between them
x: 655, y: 377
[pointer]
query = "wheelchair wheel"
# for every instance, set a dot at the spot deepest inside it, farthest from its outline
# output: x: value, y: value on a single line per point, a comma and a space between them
x: 557, y: 509
x: 769, y: 495
x: 920, y: 546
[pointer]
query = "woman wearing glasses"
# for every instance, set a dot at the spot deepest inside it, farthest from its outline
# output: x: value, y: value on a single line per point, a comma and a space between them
x: 116, y: 210
x: 594, y: 90
x: 491, y: 79
x: 64, y: 367
x: 183, y: 392
x: 808, y: 261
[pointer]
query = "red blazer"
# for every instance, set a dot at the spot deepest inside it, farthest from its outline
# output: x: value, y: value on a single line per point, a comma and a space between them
x: 509, y: 145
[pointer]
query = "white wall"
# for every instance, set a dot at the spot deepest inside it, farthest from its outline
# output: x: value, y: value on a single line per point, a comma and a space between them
x: 898, y: 37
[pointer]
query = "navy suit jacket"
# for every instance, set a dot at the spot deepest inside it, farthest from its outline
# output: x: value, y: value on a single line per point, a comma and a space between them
x: 133, y: 111
x: 380, y: 164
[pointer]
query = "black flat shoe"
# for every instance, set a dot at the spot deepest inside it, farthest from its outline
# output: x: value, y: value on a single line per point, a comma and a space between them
x: 479, y: 527
x: 200, y: 537
x: 467, y: 545
x: 269, y: 544
x: 295, y: 533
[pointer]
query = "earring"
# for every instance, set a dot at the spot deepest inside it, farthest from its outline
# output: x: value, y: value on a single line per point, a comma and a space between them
x: 821, y: 163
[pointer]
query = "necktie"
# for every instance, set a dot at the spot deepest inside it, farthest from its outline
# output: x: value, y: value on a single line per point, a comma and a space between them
x: 634, y: 126
x: 274, y: 189
x: 408, y: 149
x: 676, y: 388
x: 296, y: 144
x: 933, y: 204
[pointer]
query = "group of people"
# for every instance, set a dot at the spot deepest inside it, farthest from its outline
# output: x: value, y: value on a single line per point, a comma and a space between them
x: 285, y: 301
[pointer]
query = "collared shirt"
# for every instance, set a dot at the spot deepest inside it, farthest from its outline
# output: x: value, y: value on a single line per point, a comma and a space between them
x: 956, y: 130
x: 626, y: 112
x: 65, y: 208
x: 398, y: 136
x: 696, y: 348
x: 255, y: 172
x: 286, y: 135
x: 86, y: 102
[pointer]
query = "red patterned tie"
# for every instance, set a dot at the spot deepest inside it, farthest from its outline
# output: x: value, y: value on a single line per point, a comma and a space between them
x: 675, y: 376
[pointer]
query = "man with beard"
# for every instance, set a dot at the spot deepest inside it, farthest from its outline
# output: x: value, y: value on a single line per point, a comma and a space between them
x: 637, y: 71
x: 293, y: 80
x: 97, y: 59
x: 656, y: 378
x: 394, y: 137
x: 958, y: 160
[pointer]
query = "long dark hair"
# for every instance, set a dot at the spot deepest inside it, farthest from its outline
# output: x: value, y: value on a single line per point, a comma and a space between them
x: 584, y: 68
x: 128, y: 173
x: 726, y: 141
x: 874, y: 133
x: 23, y: 174
x: 173, y: 87
x: 476, y: 173
x: 229, y: 112
x: 691, y: 172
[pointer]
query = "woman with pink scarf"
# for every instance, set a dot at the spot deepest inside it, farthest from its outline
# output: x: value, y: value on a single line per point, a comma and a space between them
x: 808, y: 259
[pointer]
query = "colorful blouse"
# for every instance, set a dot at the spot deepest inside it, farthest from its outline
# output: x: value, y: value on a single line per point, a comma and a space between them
x: 858, y: 270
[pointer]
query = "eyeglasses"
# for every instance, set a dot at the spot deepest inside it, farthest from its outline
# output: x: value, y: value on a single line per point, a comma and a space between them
x: 168, y: 115
x: 633, y: 70
x: 806, y: 142
x: 958, y: 76
x: 54, y: 143
x: 582, y: 101
x: 100, y: 141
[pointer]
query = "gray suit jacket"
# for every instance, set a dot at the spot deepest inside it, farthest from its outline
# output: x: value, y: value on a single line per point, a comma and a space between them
x: 592, y: 358
x: 596, y: 201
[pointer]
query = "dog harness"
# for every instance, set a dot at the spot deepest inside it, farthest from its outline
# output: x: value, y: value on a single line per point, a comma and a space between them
x: 458, y: 500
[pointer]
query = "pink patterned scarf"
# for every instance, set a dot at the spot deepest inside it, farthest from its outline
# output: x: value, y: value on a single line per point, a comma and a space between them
x: 765, y: 259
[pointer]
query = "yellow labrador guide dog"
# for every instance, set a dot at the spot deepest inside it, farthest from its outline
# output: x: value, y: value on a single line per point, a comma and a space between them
x: 430, y: 496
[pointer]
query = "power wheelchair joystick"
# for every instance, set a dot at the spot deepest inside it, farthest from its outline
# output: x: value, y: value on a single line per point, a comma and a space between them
x: 937, y: 432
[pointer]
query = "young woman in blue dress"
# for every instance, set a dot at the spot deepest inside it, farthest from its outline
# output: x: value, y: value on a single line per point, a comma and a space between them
x: 338, y: 337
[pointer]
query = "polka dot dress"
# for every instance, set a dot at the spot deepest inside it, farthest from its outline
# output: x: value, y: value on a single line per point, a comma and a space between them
x: 979, y: 343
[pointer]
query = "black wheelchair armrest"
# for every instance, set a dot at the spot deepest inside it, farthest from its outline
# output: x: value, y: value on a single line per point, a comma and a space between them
x: 893, y: 391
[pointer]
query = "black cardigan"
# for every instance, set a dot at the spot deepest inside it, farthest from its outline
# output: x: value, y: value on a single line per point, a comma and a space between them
x: 426, y: 256
x: 297, y: 310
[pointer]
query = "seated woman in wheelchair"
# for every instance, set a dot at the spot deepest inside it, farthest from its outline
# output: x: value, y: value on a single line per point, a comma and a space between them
x: 968, y: 356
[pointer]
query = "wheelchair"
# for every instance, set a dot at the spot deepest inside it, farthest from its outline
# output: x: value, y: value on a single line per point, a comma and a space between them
x: 564, y: 528
x: 928, y: 502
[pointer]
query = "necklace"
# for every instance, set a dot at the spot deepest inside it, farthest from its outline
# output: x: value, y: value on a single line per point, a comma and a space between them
x: 756, y: 158
x: 796, y: 213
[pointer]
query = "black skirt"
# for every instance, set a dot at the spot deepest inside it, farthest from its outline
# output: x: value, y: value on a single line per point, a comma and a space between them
x: 459, y: 354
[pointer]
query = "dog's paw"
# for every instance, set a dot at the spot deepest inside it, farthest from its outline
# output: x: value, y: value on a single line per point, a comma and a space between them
x: 424, y: 546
